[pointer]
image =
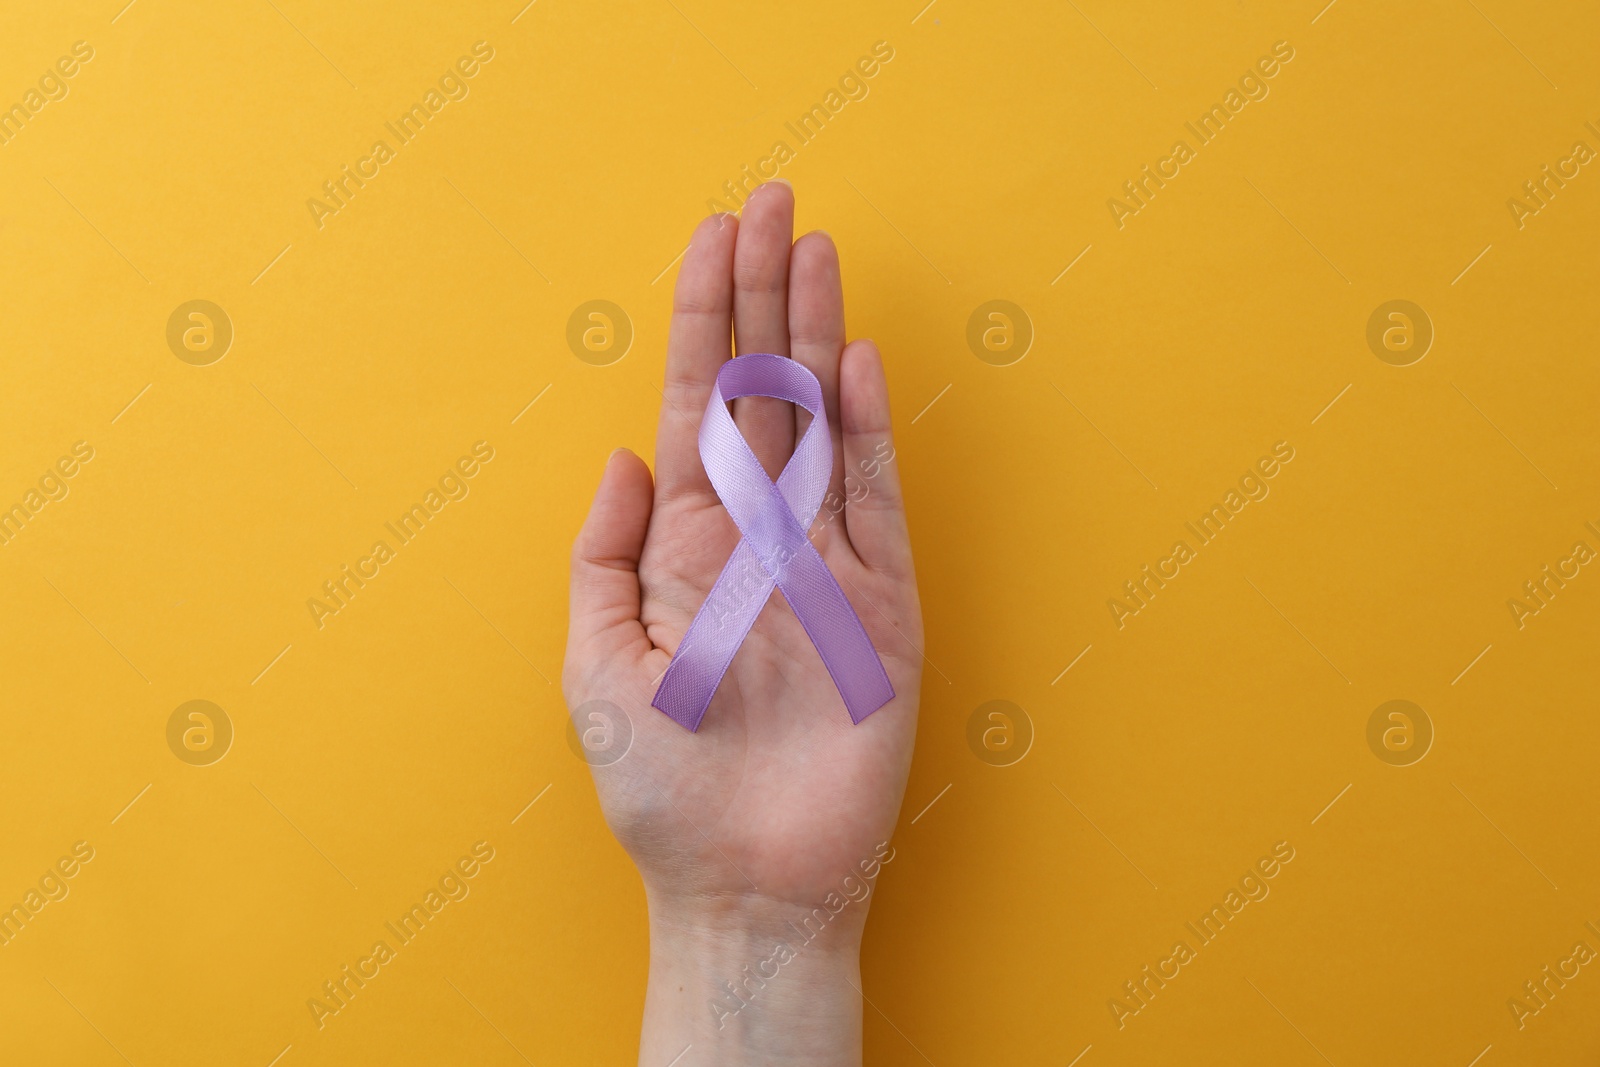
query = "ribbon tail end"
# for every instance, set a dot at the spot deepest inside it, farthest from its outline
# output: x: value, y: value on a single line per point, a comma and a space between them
x: 860, y: 709
x: 687, y: 718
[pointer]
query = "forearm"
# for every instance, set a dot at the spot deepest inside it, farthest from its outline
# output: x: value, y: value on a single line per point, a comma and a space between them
x: 742, y: 984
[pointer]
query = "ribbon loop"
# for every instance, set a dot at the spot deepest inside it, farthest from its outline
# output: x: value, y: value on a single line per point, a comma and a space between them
x: 774, y: 551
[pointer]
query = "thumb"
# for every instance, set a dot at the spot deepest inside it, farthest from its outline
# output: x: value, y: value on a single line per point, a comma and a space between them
x: 605, y: 557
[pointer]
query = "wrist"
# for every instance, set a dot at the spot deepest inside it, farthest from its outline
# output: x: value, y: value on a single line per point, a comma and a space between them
x: 752, y: 980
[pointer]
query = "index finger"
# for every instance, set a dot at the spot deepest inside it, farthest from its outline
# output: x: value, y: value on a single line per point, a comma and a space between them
x: 698, y: 344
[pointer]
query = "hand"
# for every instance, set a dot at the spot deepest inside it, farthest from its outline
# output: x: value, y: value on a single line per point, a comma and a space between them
x: 753, y: 821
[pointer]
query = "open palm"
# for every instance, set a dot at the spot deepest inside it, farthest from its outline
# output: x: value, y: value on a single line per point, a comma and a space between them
x: 778, y: 796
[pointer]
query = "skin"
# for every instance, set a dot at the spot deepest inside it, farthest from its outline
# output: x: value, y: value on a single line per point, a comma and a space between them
x: 749, y: 824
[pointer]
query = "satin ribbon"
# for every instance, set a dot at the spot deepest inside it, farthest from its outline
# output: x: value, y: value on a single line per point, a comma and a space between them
x: 773, y: 518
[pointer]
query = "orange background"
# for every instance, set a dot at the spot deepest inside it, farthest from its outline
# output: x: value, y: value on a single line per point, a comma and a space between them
x: 1228, y: 314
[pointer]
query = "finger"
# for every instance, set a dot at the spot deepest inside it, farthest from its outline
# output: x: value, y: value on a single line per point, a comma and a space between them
x: 761, y: 315
x: 816, y: 338
x: 697, y: 346
x: 875, y: 513
x: 605, y: 559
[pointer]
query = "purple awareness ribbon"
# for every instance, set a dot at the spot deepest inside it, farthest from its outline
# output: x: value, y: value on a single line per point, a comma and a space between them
x: 774, y: 551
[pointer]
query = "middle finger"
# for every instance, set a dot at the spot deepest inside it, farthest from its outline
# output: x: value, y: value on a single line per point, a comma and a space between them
x: 761, y: 315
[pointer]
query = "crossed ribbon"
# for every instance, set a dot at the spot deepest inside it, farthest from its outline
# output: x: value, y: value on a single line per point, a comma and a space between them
x: 774, y: 551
